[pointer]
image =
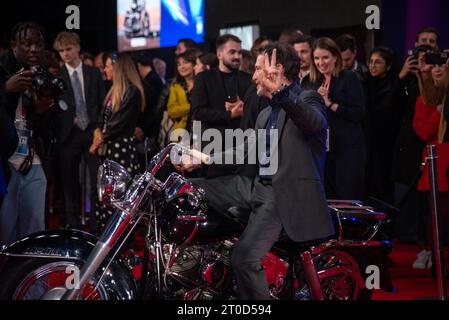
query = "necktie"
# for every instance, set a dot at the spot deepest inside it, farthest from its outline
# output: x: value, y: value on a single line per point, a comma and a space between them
x: 82, y: 119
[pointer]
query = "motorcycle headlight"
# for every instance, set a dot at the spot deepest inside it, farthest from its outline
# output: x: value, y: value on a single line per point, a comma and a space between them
x: 113, y: 180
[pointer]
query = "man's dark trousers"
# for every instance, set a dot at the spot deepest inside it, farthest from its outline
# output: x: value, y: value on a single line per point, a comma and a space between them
x: 77, y: 146
x: 262, y: 232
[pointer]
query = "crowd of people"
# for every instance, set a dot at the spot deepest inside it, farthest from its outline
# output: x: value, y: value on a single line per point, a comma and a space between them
x: 380, y: 118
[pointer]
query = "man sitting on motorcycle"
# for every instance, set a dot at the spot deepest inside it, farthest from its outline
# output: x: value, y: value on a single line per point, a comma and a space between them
x: 291, y: 198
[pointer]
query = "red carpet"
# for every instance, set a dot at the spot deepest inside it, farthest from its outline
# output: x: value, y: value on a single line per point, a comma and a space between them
x: 410, y: 284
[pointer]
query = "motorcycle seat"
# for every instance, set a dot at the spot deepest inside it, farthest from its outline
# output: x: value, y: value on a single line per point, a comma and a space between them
x: 241, y: 215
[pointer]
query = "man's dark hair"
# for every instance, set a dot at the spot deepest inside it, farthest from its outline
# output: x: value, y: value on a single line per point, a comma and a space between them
x: 426, y: 30
x: 21, y: 29
x: 222, y: 40
x: 50, y: 59
x: 303, y: 39
x: 144, y: 58
x: 209, y: 59
x: 345, y: 42
x: 289, y: 35
x: 287, y: 57
x: 189, y: 43
x: 87, y: 55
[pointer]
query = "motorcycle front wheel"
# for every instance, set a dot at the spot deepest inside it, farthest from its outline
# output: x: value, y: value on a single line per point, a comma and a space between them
x: 32, y: 279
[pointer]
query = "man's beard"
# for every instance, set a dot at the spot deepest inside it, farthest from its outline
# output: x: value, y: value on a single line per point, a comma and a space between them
x: 231, y: 66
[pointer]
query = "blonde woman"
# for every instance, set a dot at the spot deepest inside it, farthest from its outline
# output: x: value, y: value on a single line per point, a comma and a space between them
x: 114, y: 137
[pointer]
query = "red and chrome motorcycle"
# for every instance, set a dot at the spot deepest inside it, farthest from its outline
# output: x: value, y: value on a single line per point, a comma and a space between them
x: 188, y: 247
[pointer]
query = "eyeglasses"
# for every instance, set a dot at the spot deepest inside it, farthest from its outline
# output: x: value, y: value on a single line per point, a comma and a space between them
x: 376, y: 62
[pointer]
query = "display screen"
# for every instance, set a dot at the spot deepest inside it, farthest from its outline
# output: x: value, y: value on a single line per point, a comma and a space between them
x: 146, y: 24
x: 246, y: 33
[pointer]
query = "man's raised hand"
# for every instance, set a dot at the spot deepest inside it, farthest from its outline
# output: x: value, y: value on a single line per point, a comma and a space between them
x: 272, y: 80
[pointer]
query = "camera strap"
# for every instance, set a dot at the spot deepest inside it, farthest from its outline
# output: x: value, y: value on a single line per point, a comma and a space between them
x: 26, y: 143
x: 27, y: 163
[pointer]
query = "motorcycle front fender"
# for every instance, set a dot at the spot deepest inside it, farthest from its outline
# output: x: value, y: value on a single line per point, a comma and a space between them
x: 69, y: 245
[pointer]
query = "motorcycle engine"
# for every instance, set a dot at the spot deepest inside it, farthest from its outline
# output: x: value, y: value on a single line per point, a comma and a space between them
x: 200, y: 267
x: 214, y: 270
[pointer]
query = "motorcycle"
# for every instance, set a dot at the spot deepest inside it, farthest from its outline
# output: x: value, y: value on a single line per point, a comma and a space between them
x: 188, y: 248
x: 137, y: 20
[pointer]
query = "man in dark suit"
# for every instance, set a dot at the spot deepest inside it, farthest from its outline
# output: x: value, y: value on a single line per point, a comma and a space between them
x: 83, y: 100
x: 218, y: 93
x: 288, y: 192
x: 348, y: 47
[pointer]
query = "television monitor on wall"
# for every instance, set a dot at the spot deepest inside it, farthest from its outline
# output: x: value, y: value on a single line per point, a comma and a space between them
x: 146, y: 24
x: 246, y: 33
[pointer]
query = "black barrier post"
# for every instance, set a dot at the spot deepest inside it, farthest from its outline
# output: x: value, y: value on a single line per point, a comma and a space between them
x: 432, y: 157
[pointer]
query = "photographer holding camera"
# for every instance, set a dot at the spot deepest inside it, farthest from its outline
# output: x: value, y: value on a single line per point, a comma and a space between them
x: 23, y: 209
x: 408, y: 147
x: 430, y: 126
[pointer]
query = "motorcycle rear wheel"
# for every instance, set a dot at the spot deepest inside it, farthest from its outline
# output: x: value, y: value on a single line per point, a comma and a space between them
x: 32, y: 279
x: 342, y: 284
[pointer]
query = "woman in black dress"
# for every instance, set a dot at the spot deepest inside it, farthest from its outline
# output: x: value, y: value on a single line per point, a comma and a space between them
x: 382, y: 123
x: 343, y: 96
x: 114, y: 137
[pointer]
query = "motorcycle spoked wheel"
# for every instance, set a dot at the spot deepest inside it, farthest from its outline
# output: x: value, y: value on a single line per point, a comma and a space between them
x: 340, y: 286
x: 32, y: 279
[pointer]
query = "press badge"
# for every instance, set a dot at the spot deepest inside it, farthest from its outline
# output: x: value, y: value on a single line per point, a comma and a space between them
x: 24, y: 135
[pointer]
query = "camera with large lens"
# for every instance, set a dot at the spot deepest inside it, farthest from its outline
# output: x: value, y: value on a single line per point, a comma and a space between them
x: 436, y: 58
x: 422, y: 48
x: 45, y: 84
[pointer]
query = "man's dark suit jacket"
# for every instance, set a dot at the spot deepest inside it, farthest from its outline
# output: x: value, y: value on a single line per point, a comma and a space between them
x: 208, y: 106
x: 298, y: 184
x: 209, y: 97
x: 150, y: 119
x: 94, y: 93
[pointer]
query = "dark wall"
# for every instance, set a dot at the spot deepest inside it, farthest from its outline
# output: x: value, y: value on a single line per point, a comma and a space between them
x: 98, y: 17
x: 98, y: 20
x: 275, y: 15
x: 401, y: 19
